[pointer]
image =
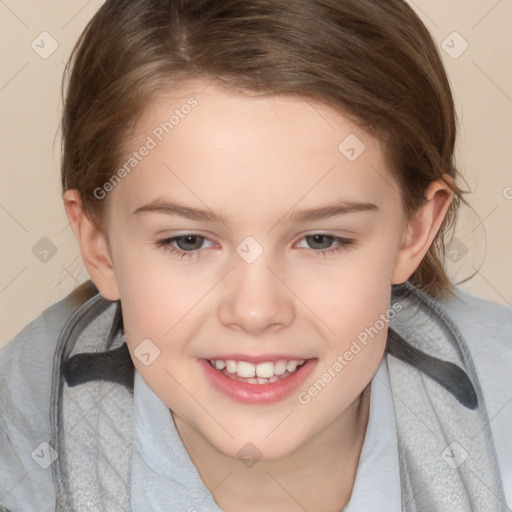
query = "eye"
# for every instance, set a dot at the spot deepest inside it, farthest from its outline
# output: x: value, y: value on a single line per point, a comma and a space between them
x: 184, y: 246
x: 324, y: 244
x: 189, y: 242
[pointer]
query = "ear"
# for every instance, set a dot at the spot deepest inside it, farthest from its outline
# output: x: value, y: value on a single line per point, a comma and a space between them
x: 93, y: 246
x: 421, y: 229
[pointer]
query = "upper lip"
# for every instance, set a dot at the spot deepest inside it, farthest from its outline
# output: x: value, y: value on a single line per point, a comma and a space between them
x: 257, y: 359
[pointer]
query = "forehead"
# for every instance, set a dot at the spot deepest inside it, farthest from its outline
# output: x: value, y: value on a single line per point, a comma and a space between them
x: 223, y: 146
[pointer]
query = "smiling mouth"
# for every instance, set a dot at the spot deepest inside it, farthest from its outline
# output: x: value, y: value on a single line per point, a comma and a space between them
x: 262, y: 373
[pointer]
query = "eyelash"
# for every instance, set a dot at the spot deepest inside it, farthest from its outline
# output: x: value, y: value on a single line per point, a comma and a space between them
x: 166, y: 245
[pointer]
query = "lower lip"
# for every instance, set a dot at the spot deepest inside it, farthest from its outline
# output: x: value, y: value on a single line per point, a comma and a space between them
x: 257, y: 393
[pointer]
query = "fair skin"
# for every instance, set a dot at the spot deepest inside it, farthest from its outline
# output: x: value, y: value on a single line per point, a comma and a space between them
x: 256, y: 160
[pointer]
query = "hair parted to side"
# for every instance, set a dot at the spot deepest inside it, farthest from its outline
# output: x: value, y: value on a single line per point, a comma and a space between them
x: 374, y: 61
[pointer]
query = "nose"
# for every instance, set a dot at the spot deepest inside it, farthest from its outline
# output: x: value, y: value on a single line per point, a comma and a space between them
x: 255, y: 299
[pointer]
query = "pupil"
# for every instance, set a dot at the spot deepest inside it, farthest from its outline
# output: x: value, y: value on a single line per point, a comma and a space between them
x: 189, y: 240
x: 323, y: 240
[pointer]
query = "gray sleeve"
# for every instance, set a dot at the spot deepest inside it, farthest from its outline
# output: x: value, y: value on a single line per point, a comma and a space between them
x: 26, y: 374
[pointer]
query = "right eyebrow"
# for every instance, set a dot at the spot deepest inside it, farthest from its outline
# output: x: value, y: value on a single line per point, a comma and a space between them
x: 173, y: 208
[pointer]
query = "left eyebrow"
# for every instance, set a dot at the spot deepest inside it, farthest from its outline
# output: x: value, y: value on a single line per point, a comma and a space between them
x: 331, y: 210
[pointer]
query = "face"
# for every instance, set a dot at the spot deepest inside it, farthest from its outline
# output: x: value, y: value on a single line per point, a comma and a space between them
x: 258, y: 233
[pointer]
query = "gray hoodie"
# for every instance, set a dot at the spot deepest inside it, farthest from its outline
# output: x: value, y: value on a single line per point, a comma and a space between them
x: 438, y: 436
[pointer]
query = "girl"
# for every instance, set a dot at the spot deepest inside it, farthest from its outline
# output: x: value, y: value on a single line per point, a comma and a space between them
x: 260, y: 191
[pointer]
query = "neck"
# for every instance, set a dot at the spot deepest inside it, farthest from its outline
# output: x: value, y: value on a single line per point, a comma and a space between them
x: 319, y: 475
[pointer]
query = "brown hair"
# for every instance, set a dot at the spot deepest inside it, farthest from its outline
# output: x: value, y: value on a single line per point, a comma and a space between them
x: 372, y: 60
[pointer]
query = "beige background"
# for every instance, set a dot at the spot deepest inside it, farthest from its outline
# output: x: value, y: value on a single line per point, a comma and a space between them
x: 32, y: 218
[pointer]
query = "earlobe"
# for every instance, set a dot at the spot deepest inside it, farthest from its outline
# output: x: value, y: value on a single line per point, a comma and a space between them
x: 93, y: 246
x: 422, y: 228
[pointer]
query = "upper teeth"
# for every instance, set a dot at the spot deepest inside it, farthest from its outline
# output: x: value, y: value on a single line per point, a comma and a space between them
x: 264, y: 370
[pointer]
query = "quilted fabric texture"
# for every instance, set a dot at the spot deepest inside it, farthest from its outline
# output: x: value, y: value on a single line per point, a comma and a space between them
x: 94, y: 423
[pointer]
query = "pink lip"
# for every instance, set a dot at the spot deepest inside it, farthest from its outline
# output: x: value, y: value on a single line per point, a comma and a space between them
x: 256, y: 359
x: 246, y: 393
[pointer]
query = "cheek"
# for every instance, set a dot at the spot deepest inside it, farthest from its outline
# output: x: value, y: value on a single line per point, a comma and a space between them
x: 154, y: 293
x: 158, y: 322
x: 352, y: 301
x: 351, y: 294
x: 357, y: 315
x: 360, y: 327
x: 160, y: 304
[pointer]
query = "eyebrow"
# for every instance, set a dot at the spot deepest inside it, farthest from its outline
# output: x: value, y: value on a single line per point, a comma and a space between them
x: 323, y: 212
